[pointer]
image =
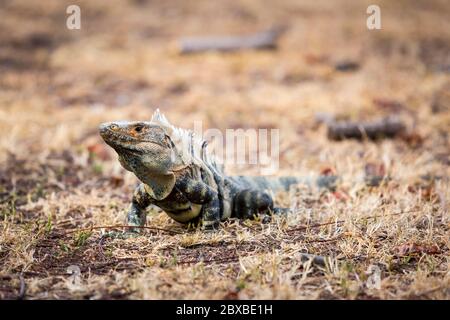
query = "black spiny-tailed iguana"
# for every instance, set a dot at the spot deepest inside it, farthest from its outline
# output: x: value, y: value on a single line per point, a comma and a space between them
x: 179, y: 176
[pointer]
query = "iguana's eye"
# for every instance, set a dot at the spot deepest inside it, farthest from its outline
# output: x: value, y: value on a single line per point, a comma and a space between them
x: 138, y: 128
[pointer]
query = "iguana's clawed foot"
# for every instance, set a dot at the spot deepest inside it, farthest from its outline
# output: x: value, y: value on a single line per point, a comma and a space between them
x: 210, y: 226
x: 266, y: 218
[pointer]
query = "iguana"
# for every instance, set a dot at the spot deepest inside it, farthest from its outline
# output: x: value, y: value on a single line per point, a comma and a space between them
x: 178, y: 175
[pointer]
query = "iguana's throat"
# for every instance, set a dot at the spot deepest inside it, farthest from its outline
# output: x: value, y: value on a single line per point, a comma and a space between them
x: 159, y: 187
x: 158, y: 181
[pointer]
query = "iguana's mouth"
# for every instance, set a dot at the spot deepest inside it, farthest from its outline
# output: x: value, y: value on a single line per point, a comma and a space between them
x: 113, y: 136
x: 116, y: 138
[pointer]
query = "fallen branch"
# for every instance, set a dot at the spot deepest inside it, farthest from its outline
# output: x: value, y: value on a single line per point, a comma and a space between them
x: 301, y: 228
x: 388, y: 127
x: 261, y: 40
x: 316, y: 260
x: 212, y: 260
x: 177, y: 232
x: 122, y: 226
x: 346, y: 66
x: 342, y: 221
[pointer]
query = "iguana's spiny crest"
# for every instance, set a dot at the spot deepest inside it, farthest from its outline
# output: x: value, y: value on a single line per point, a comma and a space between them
x: 190, y: 149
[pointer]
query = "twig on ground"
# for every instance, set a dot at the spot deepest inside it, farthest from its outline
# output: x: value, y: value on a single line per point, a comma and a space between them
x: 342, y: 221
x: 213, y: 260
x: 315, y: 226
x: 346, y: 66
x: 122, y: 226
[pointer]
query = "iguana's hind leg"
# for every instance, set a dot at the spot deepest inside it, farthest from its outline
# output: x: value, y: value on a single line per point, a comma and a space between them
x: 249, y: 202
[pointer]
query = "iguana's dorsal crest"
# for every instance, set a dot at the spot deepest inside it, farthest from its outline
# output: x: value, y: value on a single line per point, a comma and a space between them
x: 189, y: 148
x: 159, y: 118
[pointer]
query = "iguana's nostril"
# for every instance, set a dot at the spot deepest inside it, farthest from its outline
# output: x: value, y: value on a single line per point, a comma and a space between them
x: 103, y: 127
x: 114, y: 126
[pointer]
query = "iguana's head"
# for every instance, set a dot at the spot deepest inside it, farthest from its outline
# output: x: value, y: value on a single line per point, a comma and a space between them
x: 139, y: 140
x: 147, y: 149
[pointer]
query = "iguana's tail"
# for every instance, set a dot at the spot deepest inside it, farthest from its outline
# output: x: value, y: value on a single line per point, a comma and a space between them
x: 284, y: 183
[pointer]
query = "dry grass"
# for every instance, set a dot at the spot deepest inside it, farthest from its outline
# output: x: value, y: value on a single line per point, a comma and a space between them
x: 57, y: 176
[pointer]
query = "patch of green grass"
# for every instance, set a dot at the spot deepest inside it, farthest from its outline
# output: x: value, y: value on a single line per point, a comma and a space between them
x: 97, y: 168
x: 81, y: 238
x: 39, y: 192
x: 64, y: 247
x: 49, y: 224
x: 240, y: 284
x: 174, y: 259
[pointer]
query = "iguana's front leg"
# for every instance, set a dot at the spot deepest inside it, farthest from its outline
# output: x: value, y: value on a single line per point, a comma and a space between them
x: 195, y: 191
x: 200, y: 193
x: 136, y: 214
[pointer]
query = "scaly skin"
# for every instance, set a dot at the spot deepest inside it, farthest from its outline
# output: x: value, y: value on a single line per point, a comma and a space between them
x: 178, y: 176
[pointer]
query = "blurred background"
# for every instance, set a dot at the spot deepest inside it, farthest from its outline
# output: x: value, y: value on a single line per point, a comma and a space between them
x: 57, y: 84
x: 56, y: 174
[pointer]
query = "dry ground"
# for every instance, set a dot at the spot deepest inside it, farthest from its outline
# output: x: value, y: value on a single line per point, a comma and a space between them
x: 57, y: 177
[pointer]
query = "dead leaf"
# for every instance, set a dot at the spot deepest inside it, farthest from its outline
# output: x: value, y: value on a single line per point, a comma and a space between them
x: 426, y: 191
x: 413, y: 139
x: 328, y: 171
x: 231, y: 295
x: 116, y: 181
x: 389, y: 104
x: 414, y: 248
x: 340, y: 196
